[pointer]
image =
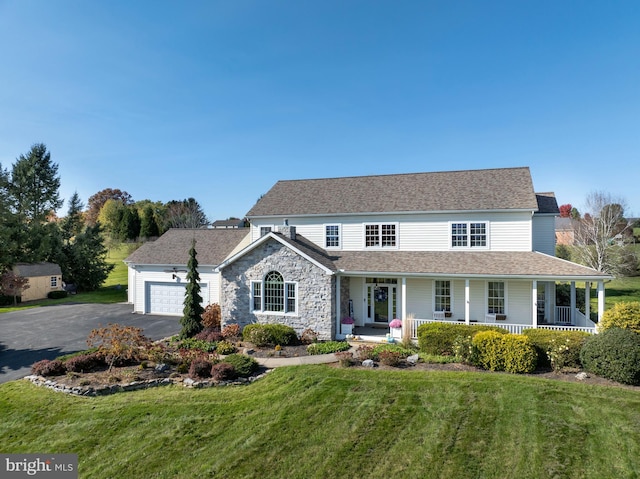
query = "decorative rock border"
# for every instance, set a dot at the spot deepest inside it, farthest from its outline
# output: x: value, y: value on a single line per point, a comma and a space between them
x: 105, y: 390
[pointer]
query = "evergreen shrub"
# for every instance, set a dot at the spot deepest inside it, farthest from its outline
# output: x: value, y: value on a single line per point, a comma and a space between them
x: 613, y: 354
x: 269, y: 334
x: 244, y: 365
x: 624, y: 315
x: 512, y: 353
x: 328, y: 347
x: 565, y: 346
x: 57, y: 294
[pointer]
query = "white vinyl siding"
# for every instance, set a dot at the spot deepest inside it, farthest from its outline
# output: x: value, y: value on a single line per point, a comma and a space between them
x: 419, y: 297
x: 544, y: 234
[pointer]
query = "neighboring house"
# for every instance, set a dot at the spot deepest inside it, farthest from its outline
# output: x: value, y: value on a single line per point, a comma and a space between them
x: 158, y: 270
x: 228, y: 224
x: 566, y: 231
x: 43, y: 278
x: 468, y: 246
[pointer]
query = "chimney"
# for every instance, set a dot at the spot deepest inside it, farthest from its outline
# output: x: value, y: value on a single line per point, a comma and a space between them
x: 288, y: 231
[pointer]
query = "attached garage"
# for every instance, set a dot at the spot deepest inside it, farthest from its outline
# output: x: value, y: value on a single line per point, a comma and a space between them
x: 168, y: 298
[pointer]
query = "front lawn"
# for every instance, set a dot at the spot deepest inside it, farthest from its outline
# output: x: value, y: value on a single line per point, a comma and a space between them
x: 321, y: 421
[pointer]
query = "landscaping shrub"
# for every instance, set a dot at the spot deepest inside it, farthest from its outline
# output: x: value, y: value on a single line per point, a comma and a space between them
x: 83, y: 363
x: 200, y: 369
x: 395, y: 348
x: 119, y: 344
x: 365, y: 351
x: 57, y: 294
x: 211, y: 335
x: 8, y: 300
x: 439, y: 338
x: 225, y: 347
x: 345, y: 358
x: 504, y: 352
x: 211, y: 316
x: 328, y: 347
x: 308, y: 336
x: 625, y: 315
x: 613, y: 354
x: 196, y: 344
x: 390, y: 358
x: 48, y: 367
x: 231, y: 331
x: 563, y: 346
x: 244, y: 365
x: 269, y: 334
x: 223, y: 372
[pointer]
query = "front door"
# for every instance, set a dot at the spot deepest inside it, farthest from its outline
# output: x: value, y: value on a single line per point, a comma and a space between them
x: 541, y: 304
x: 381, y: 303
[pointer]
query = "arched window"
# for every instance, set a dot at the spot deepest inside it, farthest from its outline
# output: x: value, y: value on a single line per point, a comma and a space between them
x: 273, y: 294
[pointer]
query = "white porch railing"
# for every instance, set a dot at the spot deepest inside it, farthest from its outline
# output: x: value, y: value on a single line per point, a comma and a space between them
x: 413, y: 324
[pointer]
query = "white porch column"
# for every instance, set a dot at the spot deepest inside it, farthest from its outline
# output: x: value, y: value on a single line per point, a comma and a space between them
x: 534, y: 297
x: 467, y: 296
x: 600, y: 299
x: 573, y: 302
x: 404, y: 299
x: 587, y: 300
x: 338, y: 323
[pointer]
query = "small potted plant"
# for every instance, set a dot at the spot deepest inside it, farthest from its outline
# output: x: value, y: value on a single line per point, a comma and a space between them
x: 347, y: 325
x: 396, y: 328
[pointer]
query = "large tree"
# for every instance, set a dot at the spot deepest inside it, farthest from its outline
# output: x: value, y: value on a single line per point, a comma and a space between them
x: 34, y: 185
x: 148, y: 224
x: 191, y: 320
x: 6, y: 219
x: 185, y: 214
x: 73, y: 224
x: 600, y: 236
x: 85, y: 263
x: 97, y: 201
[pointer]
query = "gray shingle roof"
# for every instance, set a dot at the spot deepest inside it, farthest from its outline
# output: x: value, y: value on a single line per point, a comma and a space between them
x: 453, y: 263
x: 34, y: 270
x: 172, y: 248
x: 490, y: 189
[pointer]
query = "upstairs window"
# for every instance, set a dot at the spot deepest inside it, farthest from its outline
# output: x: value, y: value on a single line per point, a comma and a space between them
x: 273, y: 294
x: 469, y: 235
x: 332, y: 236
x: 265, y: 230
x: 380, y: 235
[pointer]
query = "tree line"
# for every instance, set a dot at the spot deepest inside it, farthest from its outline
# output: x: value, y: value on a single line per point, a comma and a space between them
x: 31, y: 232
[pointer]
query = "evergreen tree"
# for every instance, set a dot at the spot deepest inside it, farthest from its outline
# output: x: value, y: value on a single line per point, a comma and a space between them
x: 85, y: 263
x: 191, y: 320
x: 6, y: 251
x: 148, y: 224
x: 73, y: 223
x: 129, y: 228
x: 34, y: 185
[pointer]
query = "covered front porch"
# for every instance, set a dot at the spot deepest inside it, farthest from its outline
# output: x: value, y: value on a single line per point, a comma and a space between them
x: 515, y: 304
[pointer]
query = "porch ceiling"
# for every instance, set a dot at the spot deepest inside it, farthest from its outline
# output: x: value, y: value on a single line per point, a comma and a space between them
x: 514, y: 264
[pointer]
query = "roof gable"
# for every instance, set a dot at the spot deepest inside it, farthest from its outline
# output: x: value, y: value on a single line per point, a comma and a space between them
x: 468, y: 190
x: 212, y: 246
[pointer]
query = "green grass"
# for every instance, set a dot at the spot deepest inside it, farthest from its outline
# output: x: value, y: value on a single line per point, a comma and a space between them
x: 319, y: 422
x: 114, y: 289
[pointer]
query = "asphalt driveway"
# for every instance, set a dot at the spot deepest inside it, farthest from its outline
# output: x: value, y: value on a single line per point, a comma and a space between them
x: 44, y: 333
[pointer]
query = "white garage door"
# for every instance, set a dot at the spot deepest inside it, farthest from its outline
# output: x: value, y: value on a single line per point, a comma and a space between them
x: 168, y: 298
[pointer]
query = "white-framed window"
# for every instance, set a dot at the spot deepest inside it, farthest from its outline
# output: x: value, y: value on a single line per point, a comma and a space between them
x: 496, y: 297
x: 442, y: 295
x: 332, y: 236
x: 265, y: 230
x: 380, y: 235
x: 469, y: 234
x: 274, y: 295
x: 54, y: 281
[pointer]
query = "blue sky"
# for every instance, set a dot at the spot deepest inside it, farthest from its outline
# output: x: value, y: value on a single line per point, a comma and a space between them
x: 217, y: 100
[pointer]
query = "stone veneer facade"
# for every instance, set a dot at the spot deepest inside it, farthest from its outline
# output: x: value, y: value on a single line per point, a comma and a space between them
x: 315, y: 294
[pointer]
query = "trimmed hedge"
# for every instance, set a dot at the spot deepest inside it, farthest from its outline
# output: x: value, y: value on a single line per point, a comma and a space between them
x: 512, y: 353
x: 8, y: 300
x: 269, y: 334
x: 439, y: 338
x: 57, y: 294
x: 613, y: 354
x: 546, y: 340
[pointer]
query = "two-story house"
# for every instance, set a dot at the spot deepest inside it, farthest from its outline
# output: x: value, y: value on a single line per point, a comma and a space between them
x: 470, y: 246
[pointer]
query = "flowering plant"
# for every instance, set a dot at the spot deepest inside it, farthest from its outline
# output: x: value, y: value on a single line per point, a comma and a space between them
x: 396, y: 323
x: 347, y: 320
